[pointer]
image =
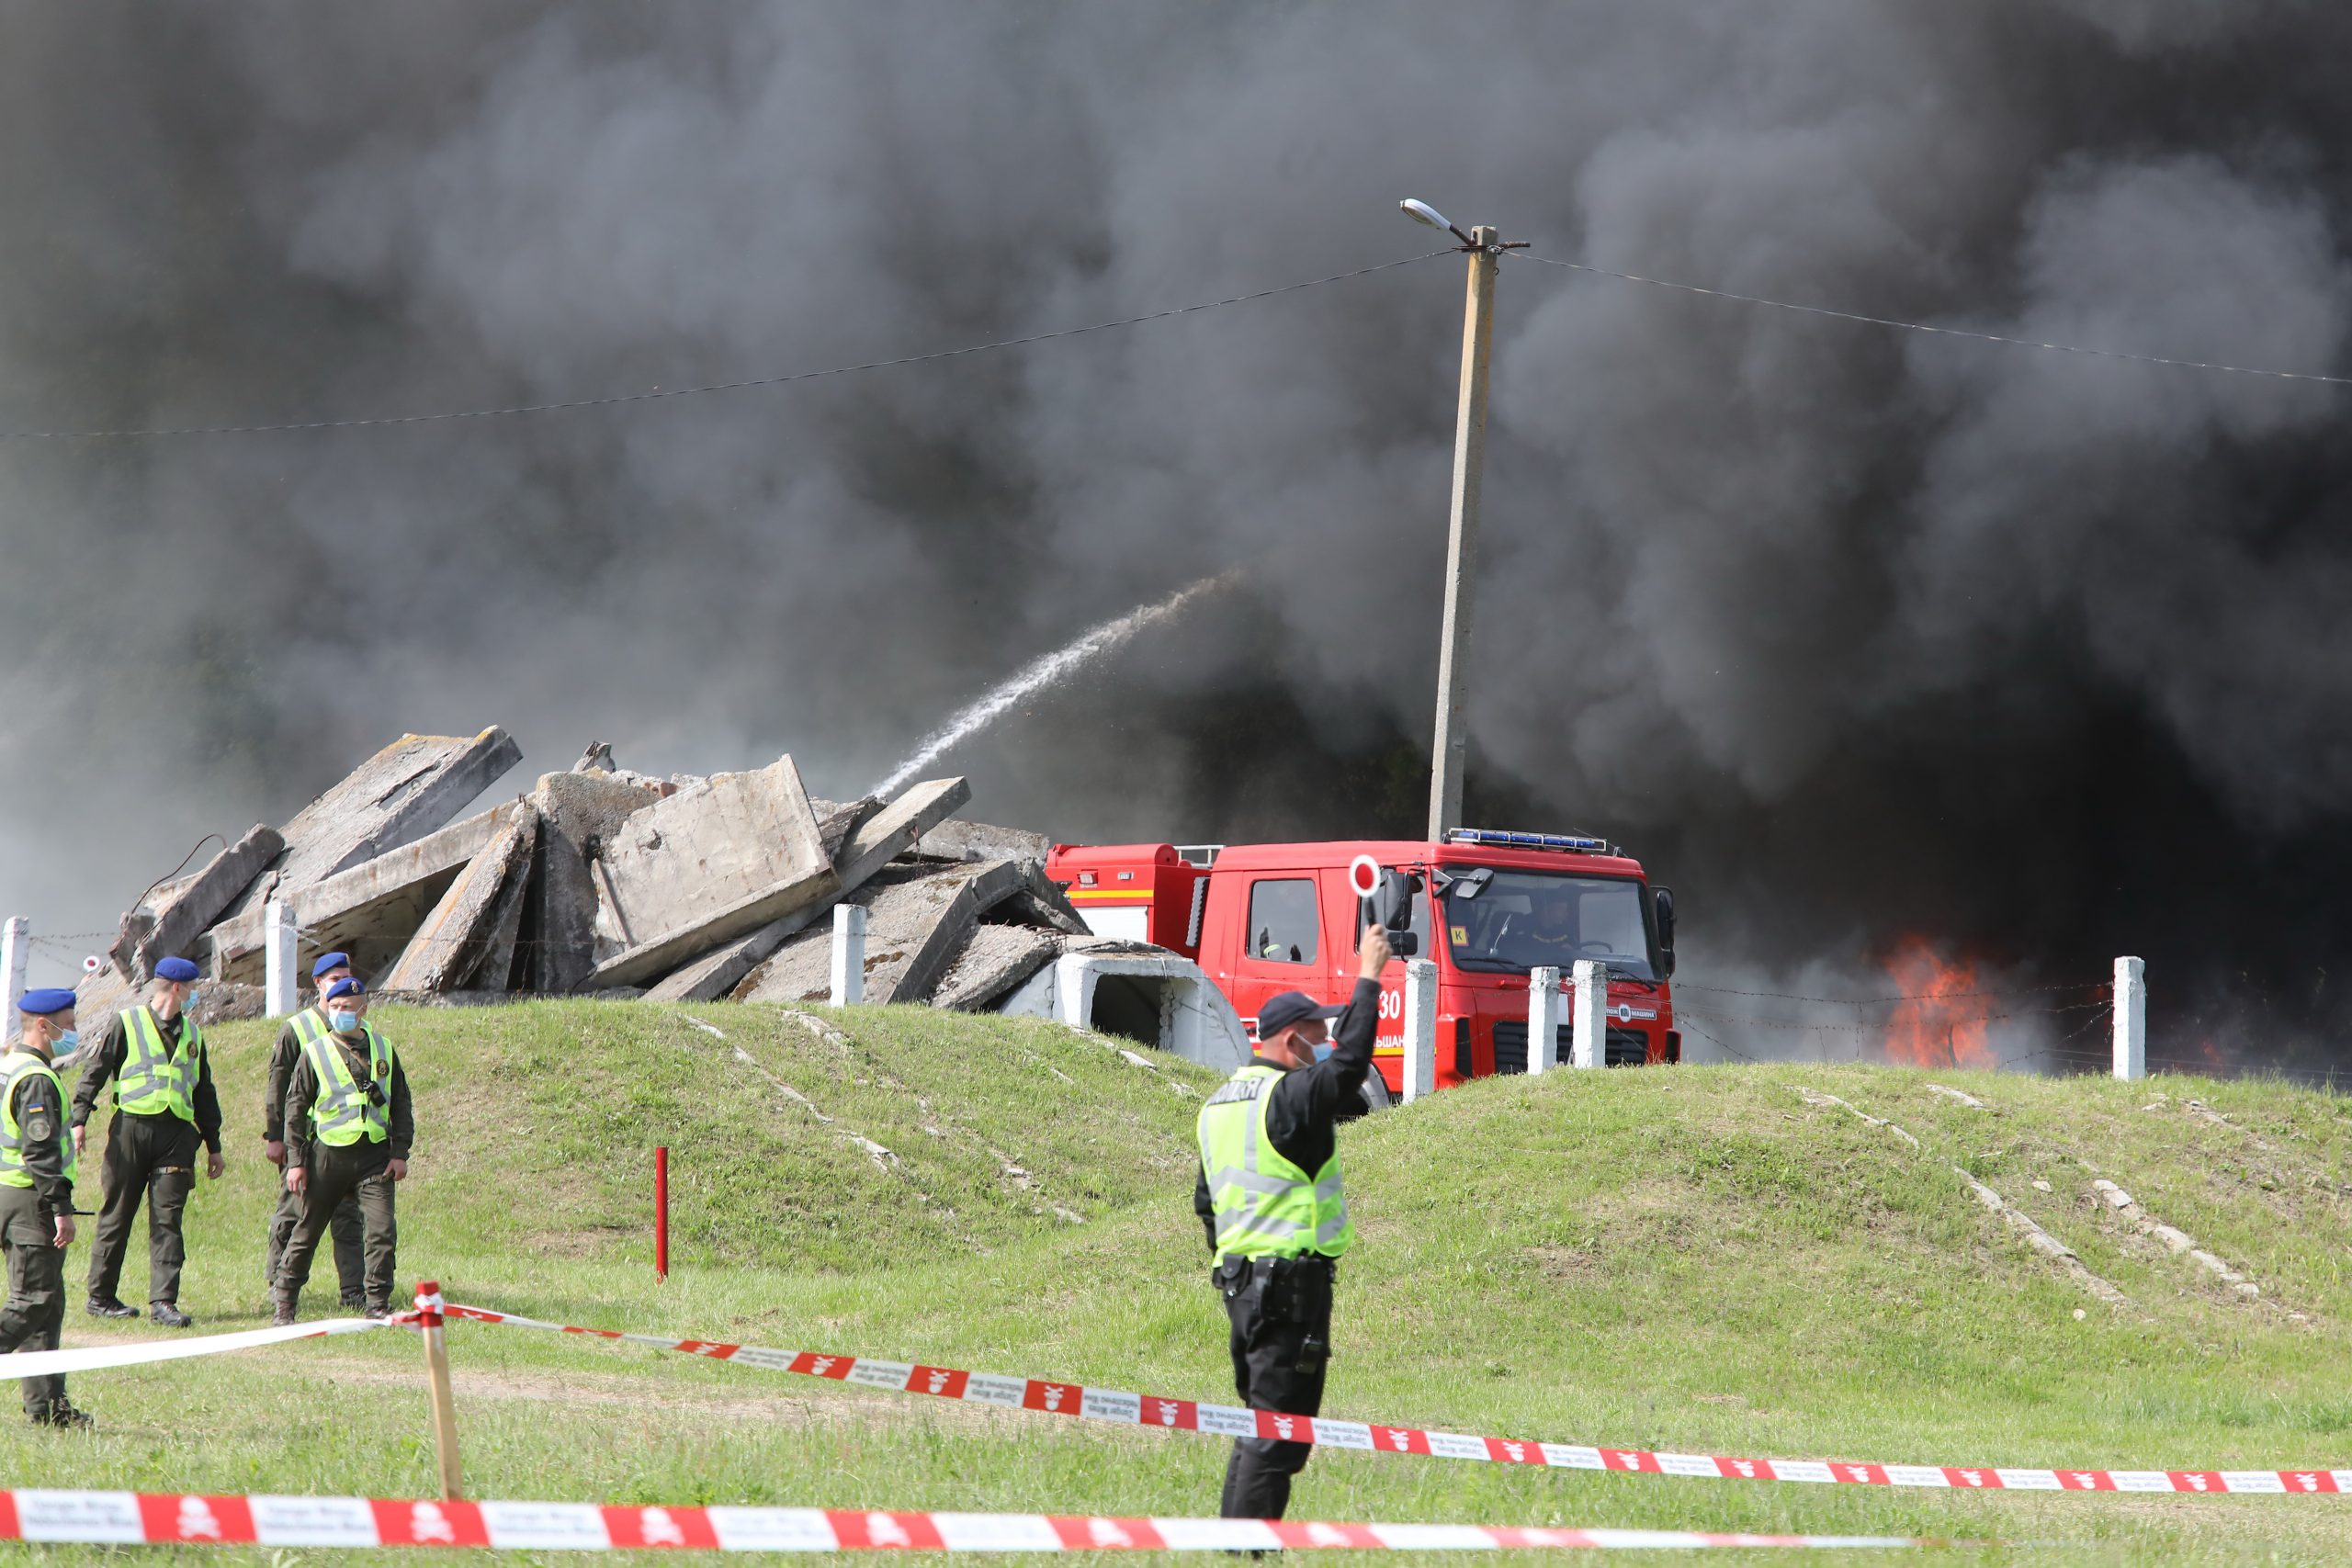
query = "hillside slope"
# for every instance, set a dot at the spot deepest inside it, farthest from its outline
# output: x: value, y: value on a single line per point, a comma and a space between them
x: 1698, y: 1260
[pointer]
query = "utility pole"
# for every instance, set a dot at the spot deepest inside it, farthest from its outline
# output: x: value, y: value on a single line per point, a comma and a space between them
x: 1451, y: 742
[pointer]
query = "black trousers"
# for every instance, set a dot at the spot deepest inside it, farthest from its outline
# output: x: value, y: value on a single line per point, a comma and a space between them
x: 359, y: 1170
x: 36, y: 1307
x: 350, y: 1267
x: 1280, y: 1310
x: 152, y: 1158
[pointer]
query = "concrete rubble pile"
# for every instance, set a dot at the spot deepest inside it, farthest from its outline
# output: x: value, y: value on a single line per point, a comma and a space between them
x: 607, y: 883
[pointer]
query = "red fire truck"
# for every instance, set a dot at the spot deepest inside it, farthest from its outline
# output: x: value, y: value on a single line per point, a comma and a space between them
x: 1260, y: 919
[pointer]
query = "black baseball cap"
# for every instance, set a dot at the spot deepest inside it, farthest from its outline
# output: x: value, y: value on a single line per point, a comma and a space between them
x: 1288, y: 1008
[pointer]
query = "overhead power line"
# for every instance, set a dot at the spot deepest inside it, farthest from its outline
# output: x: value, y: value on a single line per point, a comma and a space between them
x: 754, y: 383
x: 1939, y: 332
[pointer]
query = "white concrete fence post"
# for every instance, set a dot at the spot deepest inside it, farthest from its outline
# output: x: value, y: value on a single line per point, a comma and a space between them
x: 16, y: 947
x: 1420, y: 1029
x: 281, y: 959
x: 1542, y: 1020
x: 2130, y: 1019
x: 849, y: 954
x: 1589, y: 1047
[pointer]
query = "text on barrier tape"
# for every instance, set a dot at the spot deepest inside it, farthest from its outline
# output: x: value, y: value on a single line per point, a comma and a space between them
x: 1231, y: 1421
x: 136, y: 1518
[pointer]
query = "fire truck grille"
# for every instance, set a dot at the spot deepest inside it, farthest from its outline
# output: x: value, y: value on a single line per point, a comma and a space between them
x: 1620, y: 1047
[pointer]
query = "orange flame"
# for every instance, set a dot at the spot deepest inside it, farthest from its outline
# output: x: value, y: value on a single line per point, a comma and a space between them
x: 1942, y: 1022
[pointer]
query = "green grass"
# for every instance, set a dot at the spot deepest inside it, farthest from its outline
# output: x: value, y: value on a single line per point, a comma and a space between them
x: 1691, y: 1259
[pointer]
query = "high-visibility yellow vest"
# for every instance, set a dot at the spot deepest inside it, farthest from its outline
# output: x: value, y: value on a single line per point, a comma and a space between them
x: 344, y: 1111
x: 153, y: 1079
x: 1266, y: 1206
x: 309, y: 1024
x: 14, y: 1067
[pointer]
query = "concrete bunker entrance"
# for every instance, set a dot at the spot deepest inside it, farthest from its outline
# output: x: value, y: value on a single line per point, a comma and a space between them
x: 1134, y: 1006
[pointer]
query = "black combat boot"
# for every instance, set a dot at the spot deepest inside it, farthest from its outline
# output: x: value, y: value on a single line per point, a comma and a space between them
x: 283, y: 1314
x: 106, y: 1306
x: 169, y: 1314
x: 59, y: 1413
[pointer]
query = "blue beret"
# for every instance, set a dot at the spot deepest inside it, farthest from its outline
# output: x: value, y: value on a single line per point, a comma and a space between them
x: 329, y: 961
x: 179, y: 971
x: 345, y: 988
x: 44, y: 1002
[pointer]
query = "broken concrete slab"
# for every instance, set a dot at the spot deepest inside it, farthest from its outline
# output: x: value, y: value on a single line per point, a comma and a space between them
x: 978, y: 840
x: 993, y: 963
x: 919, y: 917
x: 1039, y: 902
x: 371, y: 910
x: 897, y: 828
x: 455, y: 938
x: 710, y: 863
x: 199, y: 900
x: 579, y: 814
x: 878, y: 839
x: 410, y: 788
x: 497, y: 971
x: 837, y: 820
x: 733, y: 837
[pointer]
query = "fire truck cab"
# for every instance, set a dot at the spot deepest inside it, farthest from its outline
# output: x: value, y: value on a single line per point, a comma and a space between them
x: 1485, y: 907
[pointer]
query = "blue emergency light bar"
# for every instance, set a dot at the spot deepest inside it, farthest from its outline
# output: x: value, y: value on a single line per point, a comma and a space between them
x: 1501, y: 839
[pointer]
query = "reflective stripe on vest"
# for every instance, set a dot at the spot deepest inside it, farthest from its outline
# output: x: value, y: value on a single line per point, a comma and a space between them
x: 152, y: 1079
x: 1265, y: 1206
x: 14, y: 1067
x: 343, y: 1112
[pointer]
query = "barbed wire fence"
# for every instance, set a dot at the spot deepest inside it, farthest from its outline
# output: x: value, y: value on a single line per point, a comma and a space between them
x: 2059, y: 1021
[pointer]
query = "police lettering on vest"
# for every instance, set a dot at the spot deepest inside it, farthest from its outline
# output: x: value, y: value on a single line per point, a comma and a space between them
x: 153, y: 1079
x: 14, y: 1067
x: 1266, y: 1206
x: 346, y: 1110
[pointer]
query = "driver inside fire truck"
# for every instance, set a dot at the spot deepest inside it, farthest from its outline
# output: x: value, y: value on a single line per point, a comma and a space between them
x: 1554, y: 936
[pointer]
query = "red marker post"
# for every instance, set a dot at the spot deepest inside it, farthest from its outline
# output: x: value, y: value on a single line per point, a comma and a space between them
x: 437, y: 1389
x: 662, y: 1211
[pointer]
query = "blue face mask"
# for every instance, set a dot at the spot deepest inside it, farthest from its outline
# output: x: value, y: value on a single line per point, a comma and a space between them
x: 188, y: 1003
x: 66, y: 1042
x: 1323, y: 1052
x: 342, y: 1023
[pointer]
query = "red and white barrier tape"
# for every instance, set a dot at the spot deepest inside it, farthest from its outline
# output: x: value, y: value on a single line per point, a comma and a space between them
x: 98, y: 1358
x: 132, y: 1519
x: 1230, y: 1421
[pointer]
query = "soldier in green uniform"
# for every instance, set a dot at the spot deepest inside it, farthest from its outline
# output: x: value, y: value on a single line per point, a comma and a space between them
x: 348, y: 1128
x: 163, y: 1105
x: 350, y: 1271
x: 37, y: 1194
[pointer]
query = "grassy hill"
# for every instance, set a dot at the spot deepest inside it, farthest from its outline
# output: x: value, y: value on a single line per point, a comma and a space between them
x: 1695, y: 1259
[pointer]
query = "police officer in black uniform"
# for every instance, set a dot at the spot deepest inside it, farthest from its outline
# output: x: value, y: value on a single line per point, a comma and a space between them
x: 1277, y: 1225
x: 37, y: 1194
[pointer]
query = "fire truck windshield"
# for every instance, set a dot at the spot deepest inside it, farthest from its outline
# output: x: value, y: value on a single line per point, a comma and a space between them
x: 1516, y: 920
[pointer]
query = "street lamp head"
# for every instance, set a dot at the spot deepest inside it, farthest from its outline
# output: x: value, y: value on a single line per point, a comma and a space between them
x: 1422, y: 213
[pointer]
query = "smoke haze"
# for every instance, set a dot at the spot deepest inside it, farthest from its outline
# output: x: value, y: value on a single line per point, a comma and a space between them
x: 1852, y: 635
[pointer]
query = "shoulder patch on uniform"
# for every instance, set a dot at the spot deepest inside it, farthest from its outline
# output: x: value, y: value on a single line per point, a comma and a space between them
x: 38, y: 1129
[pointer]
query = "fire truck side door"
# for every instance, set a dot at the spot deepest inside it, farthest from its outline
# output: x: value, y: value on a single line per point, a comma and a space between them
x: 1285, y: 944
x: 1343, y: 911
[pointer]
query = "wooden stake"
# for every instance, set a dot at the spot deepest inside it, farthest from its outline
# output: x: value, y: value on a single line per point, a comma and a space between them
x: 436, y: 1388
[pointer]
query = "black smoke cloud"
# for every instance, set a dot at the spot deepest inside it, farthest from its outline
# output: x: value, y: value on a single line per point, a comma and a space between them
x: 1853, y: 634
